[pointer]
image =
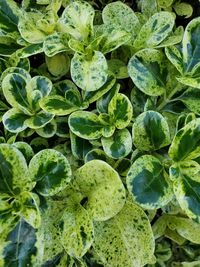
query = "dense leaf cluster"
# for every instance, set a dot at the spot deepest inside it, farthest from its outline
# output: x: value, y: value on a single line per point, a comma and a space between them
x: 100, y: 133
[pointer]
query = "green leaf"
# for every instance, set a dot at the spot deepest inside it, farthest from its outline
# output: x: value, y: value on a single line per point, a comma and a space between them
x: 148, y: 183
x: 14, y: 120
x: 185, y: 227
x: 150, y: 131
x: 119, y: 145
x: 85, y: 124
x: 147, y: 69
x: 42, y: 84
x: 8, y: 16
x: 77, y: 230
x: 51, y: 170
x: 174, y: 38
x: 187, y: 188
x: 99, y: 154
x: 14, y: 175
x: 8, y: 45
x: 55, y: 43
x: 183, y: 9
x: 129, y: 234
x: 155, y: 30
x: 77, y: 20
x: 102, y: 187
x: 89, y: 73
x: 186, y: 143
x: 118, y: 68
x: 21, y: 246
x: 121, y: 111
x: 62, y: 126
x: 58, y: 65
x: 80, y: 147
x: 121, y: 16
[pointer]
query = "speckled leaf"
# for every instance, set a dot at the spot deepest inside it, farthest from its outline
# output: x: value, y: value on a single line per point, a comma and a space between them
x: 56, y: 43
x: 103, y: 188
x: 39, y: 120
x: 14, y: 120
x: 187, y: 188
x: 186, y: 143
x: 77, y: 20
x: 51, y: 170
x: 155, y: 30
x: 14, y: 175
x: 121, y: 111
x: 150, y: 131
x: 148, y: 183
x: 174, y: 38
x: 89, y: 74
x: 147, y: 69
x: 126, y: 239
x: 29, y: 29
x: 121, y: 16
x: 77, y: 230
x: 119, y: 145
x: 85, y: 124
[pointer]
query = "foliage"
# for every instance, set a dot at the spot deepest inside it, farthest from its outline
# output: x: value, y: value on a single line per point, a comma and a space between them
x: 100, y: 133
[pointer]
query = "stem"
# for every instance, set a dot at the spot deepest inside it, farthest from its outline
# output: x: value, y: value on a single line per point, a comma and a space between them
x: 168, y: 99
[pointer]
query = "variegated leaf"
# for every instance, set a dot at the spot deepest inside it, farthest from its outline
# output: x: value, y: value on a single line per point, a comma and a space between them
x: 51, y: 170
x: 150, y: 131
x: 121, y: 111
x: 85, y: 124
x: 119, y: 145
x: 147, y: 69
x: 147, y: 182
x: 186, y: 143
